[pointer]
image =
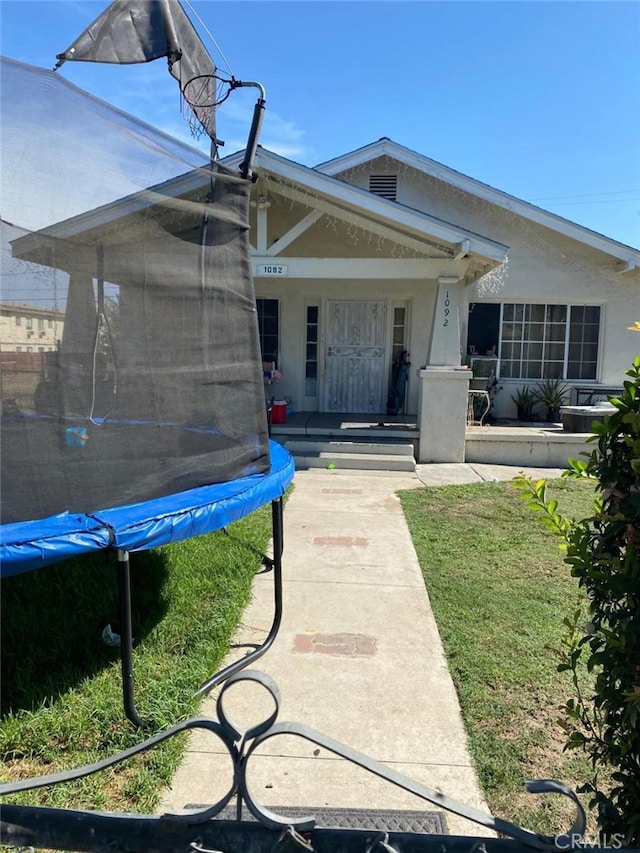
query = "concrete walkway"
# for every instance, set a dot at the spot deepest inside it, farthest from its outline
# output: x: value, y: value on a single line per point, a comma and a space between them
x: 358, y: 657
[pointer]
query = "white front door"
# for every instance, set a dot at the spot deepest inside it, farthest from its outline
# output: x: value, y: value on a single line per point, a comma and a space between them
x: 355, y: 356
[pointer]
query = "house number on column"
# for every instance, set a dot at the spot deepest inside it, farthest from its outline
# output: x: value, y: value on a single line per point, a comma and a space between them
x: 447, y: 303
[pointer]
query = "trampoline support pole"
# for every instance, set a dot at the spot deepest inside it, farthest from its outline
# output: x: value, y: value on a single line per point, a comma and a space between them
x: 278, y: 546
x: 126, y: 638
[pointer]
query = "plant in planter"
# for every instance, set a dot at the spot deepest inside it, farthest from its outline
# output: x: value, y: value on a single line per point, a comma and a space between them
x: 524, y: 400
x: 552, y: 393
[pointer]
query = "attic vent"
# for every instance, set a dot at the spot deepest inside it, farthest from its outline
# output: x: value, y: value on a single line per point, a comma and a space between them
x: 384, y: 185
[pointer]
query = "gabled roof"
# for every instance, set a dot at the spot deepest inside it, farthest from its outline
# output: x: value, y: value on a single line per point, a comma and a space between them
x: 628, y: 255
x: 376, y: 207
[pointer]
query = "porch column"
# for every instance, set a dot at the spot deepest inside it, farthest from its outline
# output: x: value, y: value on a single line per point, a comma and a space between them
x: 444, y: 383
x: 444, y: 349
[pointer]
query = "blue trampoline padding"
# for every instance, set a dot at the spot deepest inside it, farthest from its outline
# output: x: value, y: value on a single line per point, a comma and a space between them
x: 29, y: 545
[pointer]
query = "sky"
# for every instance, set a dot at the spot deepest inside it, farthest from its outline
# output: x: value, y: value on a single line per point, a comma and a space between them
x: 540, y: 99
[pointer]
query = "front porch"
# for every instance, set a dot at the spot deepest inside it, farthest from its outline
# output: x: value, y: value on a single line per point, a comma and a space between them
x: 390, y: 442
x: 347, y: 426
x: 361, y: 441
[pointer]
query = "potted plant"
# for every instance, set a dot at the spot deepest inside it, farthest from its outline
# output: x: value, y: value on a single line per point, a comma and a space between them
x: 552, y: 393
x: 524, y: 400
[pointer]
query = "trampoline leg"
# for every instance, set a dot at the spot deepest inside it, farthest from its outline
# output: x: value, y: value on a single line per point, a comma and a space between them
x: 278, y: 546
x: 126, y: 638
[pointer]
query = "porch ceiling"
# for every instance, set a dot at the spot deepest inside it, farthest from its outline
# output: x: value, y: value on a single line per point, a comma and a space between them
x: 426, y: 245
x: 420, y: 232
x: 428, y: 258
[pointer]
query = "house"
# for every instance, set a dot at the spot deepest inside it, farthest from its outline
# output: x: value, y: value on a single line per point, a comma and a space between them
x: 383, y: 250
x: 373, y: 254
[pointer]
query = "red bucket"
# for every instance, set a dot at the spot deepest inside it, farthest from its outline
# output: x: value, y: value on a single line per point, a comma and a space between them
x: 279, y: 412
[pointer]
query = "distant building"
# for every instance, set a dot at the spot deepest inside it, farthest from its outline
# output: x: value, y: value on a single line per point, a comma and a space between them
x: 28, y: 335
x: 29, y: 329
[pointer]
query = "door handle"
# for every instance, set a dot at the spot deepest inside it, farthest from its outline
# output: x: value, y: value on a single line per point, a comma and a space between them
x: 329, y: 350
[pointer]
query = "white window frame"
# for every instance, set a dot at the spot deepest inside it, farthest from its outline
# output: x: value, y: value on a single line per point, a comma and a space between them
x: 318, y: 304
x: 270, y: 298
x: 565, y: 360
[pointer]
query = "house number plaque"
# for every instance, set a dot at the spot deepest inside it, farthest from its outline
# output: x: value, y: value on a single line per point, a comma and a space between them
x: 447, y: 310
x: 273, y: 269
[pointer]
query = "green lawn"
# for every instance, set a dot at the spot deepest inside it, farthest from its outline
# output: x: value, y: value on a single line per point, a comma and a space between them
x: 500, y: 590
x: 61, y: 686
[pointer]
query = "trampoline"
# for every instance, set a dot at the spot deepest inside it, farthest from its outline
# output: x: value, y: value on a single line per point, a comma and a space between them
x: 29, y: 545
x: 133, y: 406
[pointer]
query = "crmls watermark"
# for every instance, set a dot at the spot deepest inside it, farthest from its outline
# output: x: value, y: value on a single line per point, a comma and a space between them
x: 577, y: 842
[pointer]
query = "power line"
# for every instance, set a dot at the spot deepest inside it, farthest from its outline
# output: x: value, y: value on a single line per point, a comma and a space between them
x: 600, y: 201
x: 587, y: 195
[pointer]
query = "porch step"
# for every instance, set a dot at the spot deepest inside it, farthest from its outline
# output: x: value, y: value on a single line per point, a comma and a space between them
x: 362, y: 455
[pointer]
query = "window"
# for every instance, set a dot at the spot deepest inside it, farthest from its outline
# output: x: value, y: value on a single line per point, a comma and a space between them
x: 537, y: 341
x: 268, y: 326
x: 18, y: 320
x: 41, y: 324
x: 311, y: 358
x: 29, y: 322
x: 50, y: 324
x: 384, y: 185
x: 484, y: 328
x: 399, y: 331
x: 583, y: 342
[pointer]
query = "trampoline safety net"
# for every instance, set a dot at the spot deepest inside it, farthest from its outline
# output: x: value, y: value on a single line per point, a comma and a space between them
x: 129, y: 351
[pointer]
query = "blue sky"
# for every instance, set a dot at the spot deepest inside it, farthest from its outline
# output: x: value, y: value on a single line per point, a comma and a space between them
x: 539, y: 99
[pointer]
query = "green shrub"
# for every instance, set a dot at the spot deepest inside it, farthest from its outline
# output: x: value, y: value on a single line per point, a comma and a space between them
x: 603, y: 551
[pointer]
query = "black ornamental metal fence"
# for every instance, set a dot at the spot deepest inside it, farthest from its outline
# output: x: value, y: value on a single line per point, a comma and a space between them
x: 207, y: 829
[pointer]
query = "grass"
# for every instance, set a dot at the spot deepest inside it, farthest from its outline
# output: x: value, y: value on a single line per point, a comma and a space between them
x: 499, y: 590
x: 61, y: 686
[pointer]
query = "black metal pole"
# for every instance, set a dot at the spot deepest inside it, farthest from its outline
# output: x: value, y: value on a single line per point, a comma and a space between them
x: 246, y: 167
x: 126, y: 638
x: 277, y: 524
x: 100, y: 279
